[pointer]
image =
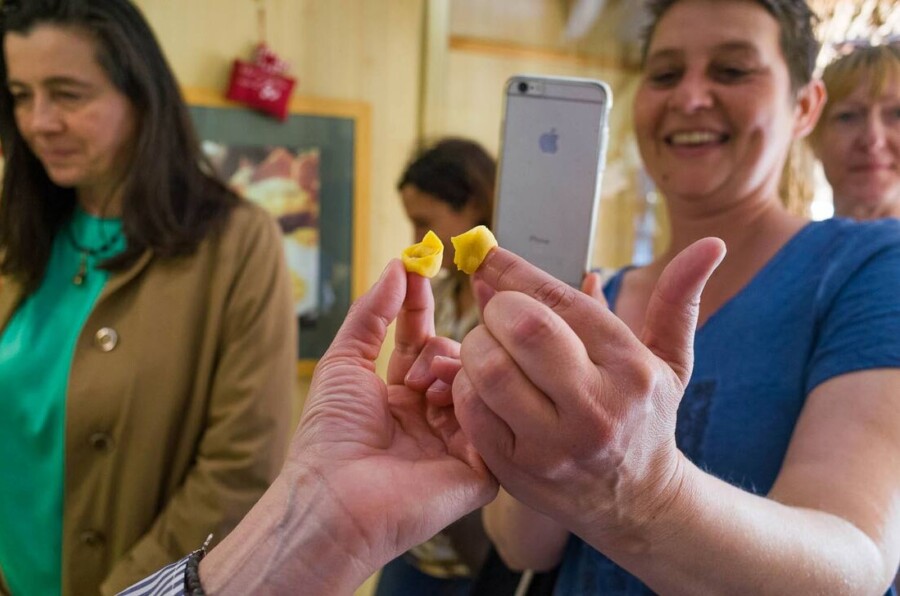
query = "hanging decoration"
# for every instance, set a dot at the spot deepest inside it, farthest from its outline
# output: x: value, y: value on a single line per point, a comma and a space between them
x: 845, y: 24
x: 262, y: 83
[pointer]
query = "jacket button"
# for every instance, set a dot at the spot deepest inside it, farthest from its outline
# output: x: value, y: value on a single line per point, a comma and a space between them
x: 106, y: 339
x: 92, y: 538
x: 101, y: 442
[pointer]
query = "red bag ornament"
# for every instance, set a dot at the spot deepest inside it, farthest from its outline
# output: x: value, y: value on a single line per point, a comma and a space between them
x: 262, y: 83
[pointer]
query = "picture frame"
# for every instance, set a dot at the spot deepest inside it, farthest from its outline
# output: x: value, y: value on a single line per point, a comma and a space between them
x: 312, y: 173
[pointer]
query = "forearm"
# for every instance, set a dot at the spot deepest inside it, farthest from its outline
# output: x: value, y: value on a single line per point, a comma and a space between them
x: 717, y: 539
x: 294, y: 536
x: 524, y: 538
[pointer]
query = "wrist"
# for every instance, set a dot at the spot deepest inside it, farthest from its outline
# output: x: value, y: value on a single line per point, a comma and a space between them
x: 295, y: 535
x: 650, y: 513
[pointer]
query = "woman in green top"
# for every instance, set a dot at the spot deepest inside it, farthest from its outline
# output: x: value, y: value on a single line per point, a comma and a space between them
x: 147, y: 338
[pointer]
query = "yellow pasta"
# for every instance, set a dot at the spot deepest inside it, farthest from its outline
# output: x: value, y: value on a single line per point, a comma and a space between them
x: 424, y: 257
x: 472, y: 247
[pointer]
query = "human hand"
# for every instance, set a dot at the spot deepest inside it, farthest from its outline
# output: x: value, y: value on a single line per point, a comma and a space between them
x: 399, y: 467
x: 573, y: 413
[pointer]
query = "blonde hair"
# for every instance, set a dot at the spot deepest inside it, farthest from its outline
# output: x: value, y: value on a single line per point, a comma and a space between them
x: 878, y: 65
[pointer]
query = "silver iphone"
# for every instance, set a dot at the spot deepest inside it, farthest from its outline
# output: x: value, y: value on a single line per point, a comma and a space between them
x: 552, y: 155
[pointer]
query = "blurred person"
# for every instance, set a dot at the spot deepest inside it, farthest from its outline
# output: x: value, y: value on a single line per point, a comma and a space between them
x: 147, y: 341
x: 857, y: 138
x: 750, y: 446
x: 447, y: 187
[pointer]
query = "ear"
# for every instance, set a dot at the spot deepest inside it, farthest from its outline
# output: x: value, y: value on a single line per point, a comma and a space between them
x: 810, y: 102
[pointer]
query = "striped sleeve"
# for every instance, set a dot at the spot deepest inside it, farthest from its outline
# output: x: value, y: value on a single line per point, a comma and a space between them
x: 168, y: 581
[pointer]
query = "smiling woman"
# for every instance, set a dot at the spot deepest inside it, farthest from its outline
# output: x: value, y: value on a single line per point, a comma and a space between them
x: 747, y: 446
x: 147, y: 340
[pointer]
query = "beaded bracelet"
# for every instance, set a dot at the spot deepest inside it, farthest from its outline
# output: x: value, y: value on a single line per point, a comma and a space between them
x: 192, y: 584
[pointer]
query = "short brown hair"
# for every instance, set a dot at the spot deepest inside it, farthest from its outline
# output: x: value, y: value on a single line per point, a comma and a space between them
x: 798, y: 40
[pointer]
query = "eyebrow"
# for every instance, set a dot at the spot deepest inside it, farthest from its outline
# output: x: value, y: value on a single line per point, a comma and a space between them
x: 53, y: 82
x: 733, y: 47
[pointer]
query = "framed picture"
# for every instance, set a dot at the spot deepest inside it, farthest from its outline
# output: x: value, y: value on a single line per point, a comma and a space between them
x: 311, y: 172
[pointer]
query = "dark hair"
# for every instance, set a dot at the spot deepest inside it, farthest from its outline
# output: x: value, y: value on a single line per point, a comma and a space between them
x: 171, y: 199
x: 798, y: 40
x: 456, y: 171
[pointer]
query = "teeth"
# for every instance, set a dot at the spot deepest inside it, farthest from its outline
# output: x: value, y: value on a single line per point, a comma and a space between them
x: 694, y: 138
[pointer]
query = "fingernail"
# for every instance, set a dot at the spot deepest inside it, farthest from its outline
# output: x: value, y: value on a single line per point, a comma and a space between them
x: 439, y: 387
x: 385, y: 271
x: 419, y: 369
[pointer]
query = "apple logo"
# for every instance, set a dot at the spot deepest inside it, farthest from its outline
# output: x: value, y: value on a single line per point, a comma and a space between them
x: 548, y: 140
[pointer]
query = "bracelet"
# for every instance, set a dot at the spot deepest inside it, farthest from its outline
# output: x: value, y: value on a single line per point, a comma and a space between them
x: 192, y: 584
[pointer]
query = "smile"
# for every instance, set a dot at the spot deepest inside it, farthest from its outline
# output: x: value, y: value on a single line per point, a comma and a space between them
x: 695, y: 138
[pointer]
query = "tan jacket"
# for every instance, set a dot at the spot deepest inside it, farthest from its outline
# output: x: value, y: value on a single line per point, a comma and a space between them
x: 178, y: 403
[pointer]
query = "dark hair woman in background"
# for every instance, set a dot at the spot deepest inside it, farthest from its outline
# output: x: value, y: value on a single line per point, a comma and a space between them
x: 448, y: 188
x: 147, y: 339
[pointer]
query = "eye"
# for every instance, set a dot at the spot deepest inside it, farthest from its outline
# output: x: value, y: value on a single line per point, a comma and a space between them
x: 65, y: 95
x: 19, y: 96
x: 729, y: 73
x: 846, y: 116
x: 664, y: 77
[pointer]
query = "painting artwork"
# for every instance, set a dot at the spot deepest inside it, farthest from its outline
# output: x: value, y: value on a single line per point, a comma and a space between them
x: 310, y: 172
x: 285, y: 182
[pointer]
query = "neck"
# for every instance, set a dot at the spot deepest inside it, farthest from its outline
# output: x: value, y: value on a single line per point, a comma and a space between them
x: 863, y: 211
x: 101, y: 200
x: 740, y: 224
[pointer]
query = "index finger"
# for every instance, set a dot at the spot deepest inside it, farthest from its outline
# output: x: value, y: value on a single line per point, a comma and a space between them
x: 503, y: 270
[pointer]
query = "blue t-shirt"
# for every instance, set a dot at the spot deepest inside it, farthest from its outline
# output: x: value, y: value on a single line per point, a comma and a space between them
x: 828, y: 303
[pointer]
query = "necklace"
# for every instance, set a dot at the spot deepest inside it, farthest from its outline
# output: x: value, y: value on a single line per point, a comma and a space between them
x: 86, y: 252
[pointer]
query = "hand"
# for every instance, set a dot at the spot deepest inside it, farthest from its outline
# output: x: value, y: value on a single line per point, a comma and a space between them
x: 400, y: 468
x: 572, y: 412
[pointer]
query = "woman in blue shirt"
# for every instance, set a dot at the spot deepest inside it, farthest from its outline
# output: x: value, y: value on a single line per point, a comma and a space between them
x: 760, y: 455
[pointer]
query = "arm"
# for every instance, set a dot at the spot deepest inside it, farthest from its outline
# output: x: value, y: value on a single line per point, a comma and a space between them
x: 243, y: 443
x: 589, y: 440
x: 829, y: 525
x: 524, y: 538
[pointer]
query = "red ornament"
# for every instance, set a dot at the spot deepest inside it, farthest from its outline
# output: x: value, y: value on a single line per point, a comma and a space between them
x: 262, y: 84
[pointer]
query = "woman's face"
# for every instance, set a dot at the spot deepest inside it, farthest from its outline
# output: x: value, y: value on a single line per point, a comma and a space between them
x: 859, y: 145
x: 714, y: 114
x: 76, y: 122
x: 427, y: 212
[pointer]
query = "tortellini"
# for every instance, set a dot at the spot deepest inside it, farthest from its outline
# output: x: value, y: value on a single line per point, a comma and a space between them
x: 424, y: 257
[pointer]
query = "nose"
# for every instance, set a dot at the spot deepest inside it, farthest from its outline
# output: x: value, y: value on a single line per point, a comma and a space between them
x: 692, y: 93
x: 40, y: 116
x: 874, y: 135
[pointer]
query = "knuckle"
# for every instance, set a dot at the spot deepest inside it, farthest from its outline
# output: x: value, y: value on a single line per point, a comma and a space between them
x: 533, y: 327
x: 495, y: 370
x: 555, y: 294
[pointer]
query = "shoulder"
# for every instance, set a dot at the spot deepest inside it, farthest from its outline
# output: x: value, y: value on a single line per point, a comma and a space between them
x: 846, y: 237
x: 248, y: 229
x: 247, y: 216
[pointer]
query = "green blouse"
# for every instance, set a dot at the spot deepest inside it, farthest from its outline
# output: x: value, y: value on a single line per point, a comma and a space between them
x: 36, y: 352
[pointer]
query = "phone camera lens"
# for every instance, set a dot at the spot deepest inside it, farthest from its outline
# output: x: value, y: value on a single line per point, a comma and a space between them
x: 523, y: 87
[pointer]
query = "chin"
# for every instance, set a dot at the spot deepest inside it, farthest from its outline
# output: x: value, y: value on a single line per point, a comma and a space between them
x: 64, y: 179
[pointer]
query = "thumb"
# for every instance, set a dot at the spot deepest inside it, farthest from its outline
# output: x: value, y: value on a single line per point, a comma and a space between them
x: 671, y: 319
x: 362, y: 333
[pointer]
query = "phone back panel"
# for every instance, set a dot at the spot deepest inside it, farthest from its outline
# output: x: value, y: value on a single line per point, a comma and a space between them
x: 553, y: 151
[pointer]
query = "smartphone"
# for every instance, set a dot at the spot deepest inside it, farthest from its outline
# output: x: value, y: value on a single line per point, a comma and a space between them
x: 552, y: 156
